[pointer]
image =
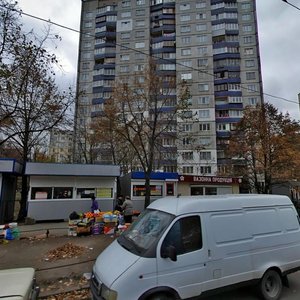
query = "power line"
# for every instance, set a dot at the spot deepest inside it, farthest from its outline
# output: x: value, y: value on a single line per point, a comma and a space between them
x: 146, y: 54
x: 291, y: 4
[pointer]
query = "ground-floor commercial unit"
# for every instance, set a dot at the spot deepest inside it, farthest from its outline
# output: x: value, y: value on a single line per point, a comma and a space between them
x: 173, y: 184
x: 57, y: 190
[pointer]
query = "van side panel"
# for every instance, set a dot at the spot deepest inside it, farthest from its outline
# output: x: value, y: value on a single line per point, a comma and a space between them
x: 229, y: 244
x: 276, y: 238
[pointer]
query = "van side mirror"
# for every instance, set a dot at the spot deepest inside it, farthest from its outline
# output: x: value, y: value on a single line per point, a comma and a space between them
x: 169, y: 252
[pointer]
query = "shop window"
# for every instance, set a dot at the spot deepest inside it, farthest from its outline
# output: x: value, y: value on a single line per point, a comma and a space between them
x: 196, y: 190
x: 170, y: 189
x: 104, y: 192
x: 210, y: 191
x: 185, y: 235
x: 41, y: 193
x: 140, y: 190
x: 83, y: 193
x: 63, y: 193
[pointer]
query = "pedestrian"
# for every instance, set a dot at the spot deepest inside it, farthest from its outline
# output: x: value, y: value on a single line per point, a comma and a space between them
x: 127, y: 208
x: 95, y: 205
x: 119, y: 203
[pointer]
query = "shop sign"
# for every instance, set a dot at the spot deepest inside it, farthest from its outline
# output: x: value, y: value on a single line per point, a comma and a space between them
x: 210, y: 179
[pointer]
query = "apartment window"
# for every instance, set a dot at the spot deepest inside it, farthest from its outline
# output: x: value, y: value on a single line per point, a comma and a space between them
x: 203, y: 113
x: 85, y: 65
x: 140, y: 2
x: 203, y: 100
x: 249, y: 51
x: 205, y: 169
x: 88, y: 15
x: 186, y: 40
x: 124, y: 69
x: 202, y: 50
x: 186, y: 76
x: 139, y: 56
x: 84, y: 76
x: 201, y: 27
x: 201, y: 4
x: 186, y: 51
x: 246, y: 17
x: 86, y: 55
x: 202, y: 62
x: 139, y: 23
x: 185, y: 6
x: 202, y: 38
x: 187, y: 155
x: 201, y: 16
x: 204, y: 126
x: 187, y: 170
x: 88, y: 24
x: 186, y: 63
x: 125, y: 35
x: 252, y: 88
x: 205, y: 141
x: 250, y: 75
x: 245, y: 6
x: 248, y: 39
x: 126, y: 14
x: 184, y: 18
x: 138, y: 68
x: 140, y: 45
x: 205, y: 155
x: 186, y: 141
x: 186, y: 127
x: 124, y: 57
x: 126, y: 3
x: 140, y: 34
x: 249, y: 63
x: 247, y: 28
x: 140, y: 12
x: 252, y: 101
x: 184, y: 29
x: 203, y: 87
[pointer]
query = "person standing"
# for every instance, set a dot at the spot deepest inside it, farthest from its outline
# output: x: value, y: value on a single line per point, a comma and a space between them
x: 127, y: 208
x: 95, y: 205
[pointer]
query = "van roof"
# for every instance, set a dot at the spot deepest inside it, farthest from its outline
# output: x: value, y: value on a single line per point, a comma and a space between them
x: 187, y: 204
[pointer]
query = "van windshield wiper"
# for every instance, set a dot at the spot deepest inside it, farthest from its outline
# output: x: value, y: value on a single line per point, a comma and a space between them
x: 129, y: 244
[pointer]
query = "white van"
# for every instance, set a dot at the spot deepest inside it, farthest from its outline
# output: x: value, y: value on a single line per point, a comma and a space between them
x: 184, y: 247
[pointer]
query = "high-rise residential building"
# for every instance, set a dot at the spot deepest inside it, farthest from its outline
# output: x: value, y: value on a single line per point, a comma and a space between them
x: 210, y: 44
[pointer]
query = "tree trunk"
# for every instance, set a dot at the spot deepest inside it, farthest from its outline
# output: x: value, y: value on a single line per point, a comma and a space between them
x: 23, y: 203
x: 148, y: 189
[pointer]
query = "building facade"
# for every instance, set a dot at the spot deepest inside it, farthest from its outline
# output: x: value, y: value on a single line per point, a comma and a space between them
x: 61, y: 145
x: 210, y: 44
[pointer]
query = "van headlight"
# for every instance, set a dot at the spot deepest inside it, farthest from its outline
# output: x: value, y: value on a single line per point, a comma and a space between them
x: 107, y: 293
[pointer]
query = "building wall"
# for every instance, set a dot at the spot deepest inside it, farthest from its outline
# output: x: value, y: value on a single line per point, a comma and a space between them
x: 212, y: 45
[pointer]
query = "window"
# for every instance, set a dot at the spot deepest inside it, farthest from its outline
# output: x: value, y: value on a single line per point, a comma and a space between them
x: 185, y: 235
x: 201, y: 4
x: 187, y: 169
x: 186, y: 63
x: 203, y: 87
x: 186, y: 40
x: 186, y: 141
x: 246, y: 17
x: 203, y: 100
x: 247, y: 28
x: 140, y: 45
x: 249, y: 63
x: 203, y: 113
x: 125, y: 35
x: 250, y: 75
x: 202, y: 62
x: 186, y: 76
x: 140, y: 190
x: 202, y: 38
x: 201, y: 16
x: 252, y: 88
x: 202, y: 50
x: 184, y: 29
x: 186, y: 51
x: 249, y: 51
x: 140, y: 23
x: 252, y: 101
x: 124, y: 69
x: 201, y: 27
x: 140, y: 2
x: 139, y: 34
x: 185, y: 6
x: 88, y: 24
x: 63, y: 193
x: 184, y: 18
x: 40, y: 193
x: 186, y: 127
x: 140, y: 12
x: 248, y: 39
x: 187, y: 155
x: 84, y: 193
x: 204, y: 126
x: 126, y: 3
x: 124, y: 57
x: 205, y: 169
x: 205, y: 155
x: 246, y: 6
x: 126, y: 14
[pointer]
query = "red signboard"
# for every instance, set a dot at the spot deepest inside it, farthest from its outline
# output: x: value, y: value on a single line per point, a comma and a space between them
x: 210, y: 179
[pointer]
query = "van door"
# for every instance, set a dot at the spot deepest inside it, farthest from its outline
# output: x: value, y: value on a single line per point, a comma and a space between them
x: 186, y: 274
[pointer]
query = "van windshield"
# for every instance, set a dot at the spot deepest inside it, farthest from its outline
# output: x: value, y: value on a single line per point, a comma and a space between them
x: 143, y: 235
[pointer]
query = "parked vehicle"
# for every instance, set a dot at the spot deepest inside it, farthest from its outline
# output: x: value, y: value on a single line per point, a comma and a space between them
x: 18, y: 284
x: 184, y: 247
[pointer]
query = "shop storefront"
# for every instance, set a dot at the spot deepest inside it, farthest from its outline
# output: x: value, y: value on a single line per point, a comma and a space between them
x: 189, y: 185
x: 162, y: 184
x: 56, y: 190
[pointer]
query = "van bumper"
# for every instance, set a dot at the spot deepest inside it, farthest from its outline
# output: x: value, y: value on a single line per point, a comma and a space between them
x: 35, y: 290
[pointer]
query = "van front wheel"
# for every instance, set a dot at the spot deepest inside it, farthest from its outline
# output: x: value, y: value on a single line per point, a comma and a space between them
x: 270, y: 286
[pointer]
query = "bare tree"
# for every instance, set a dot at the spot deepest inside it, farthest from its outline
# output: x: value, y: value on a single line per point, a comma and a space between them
x: 141, y: 117
x: 31, y: 102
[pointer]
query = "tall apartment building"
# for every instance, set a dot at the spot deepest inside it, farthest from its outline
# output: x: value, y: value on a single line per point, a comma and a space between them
x: 211, y: 44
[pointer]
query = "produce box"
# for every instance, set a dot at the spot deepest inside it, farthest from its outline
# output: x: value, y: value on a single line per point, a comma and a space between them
x: 83, y: 230
x: 110, y: 218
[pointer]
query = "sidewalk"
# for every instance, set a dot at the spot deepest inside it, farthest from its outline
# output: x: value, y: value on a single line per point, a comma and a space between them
x: 32, y: 248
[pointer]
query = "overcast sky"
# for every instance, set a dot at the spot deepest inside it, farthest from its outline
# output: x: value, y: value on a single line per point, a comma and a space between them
x: 278, y: 27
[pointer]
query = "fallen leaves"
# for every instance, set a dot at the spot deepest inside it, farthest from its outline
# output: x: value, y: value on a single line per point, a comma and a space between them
x: 68, y: 250
x: 80, y: 294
